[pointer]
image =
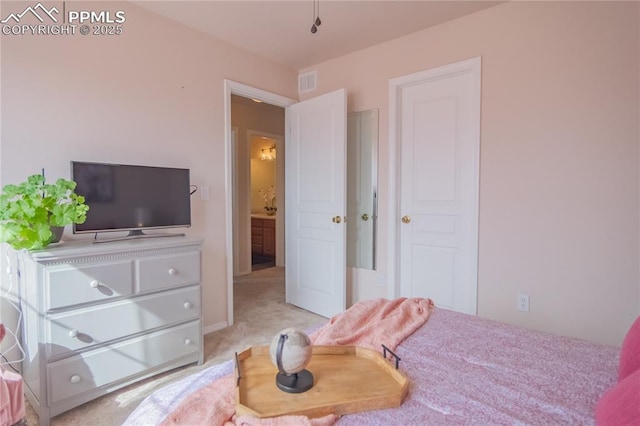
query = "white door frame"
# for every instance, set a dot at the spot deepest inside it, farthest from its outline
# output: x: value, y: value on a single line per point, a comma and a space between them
x: 237, y: 268
x: 472, y: 65
x: 235, y: 88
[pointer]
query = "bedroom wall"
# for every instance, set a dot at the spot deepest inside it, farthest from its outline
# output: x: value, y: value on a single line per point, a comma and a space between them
x: 152, y: 95
x: 559, y: 212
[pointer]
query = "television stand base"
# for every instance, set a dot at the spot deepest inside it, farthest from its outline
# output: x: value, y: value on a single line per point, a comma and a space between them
x: 133, y: 235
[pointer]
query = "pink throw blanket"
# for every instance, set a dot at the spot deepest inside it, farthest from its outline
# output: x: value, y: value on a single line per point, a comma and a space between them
x: 372, y: 323
x: 369, y: 324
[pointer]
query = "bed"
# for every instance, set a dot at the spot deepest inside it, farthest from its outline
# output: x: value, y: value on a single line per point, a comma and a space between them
x: 468, y: 370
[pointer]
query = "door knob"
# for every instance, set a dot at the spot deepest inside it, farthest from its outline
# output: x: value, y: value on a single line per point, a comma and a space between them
x: 365, y: 217
x: 336, y: 219
x: 406, y: 219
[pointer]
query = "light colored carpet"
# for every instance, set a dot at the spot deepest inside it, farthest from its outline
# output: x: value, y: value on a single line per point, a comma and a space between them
x: 259, y: 313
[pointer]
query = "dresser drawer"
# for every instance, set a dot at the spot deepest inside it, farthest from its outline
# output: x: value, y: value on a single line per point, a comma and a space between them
x: 72, y: 285
x: 85, y: 327
x: 160, y: 272
x: 81, y: 373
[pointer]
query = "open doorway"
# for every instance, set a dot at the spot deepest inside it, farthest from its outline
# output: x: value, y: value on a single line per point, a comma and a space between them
x: 257, y: 184
x: 263, y: 188
x: 267, y: 119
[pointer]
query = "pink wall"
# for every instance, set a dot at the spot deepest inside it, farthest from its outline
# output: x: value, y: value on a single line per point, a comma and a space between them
x: 559, y: 210
x: 153, y: 96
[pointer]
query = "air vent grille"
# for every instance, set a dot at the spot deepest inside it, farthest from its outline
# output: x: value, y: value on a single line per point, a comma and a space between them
x: 307, y: 82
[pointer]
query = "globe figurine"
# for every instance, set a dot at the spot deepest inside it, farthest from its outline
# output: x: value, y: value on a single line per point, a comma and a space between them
x: 290, y: 351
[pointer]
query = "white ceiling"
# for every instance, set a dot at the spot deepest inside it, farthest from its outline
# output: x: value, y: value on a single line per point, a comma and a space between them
x: 280, y: 30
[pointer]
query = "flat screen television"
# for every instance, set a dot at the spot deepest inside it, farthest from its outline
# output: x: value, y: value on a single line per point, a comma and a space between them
x: 132, y: 197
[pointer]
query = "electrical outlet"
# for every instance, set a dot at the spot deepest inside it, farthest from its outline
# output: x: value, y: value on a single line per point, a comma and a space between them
x: 523, y: 303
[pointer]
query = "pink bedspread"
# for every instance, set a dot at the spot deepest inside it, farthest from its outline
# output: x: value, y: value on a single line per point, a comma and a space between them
x: 467, y: 370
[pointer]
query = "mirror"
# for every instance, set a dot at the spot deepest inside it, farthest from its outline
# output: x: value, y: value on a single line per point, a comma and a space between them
x: 362, y: 188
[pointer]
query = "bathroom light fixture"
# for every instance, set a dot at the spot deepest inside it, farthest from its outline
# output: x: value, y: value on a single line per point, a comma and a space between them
x: 268, y: 153
x: 316, y: 16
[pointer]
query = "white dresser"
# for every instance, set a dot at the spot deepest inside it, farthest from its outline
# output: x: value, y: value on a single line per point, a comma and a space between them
x: 98, y: 317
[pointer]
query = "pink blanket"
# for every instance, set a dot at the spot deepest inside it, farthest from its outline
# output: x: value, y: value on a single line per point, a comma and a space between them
x: 369, y: 324
x: 373, y: 323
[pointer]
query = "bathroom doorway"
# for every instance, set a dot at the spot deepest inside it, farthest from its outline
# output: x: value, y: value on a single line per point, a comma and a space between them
x: 239, y: 97
x: 264, y: 185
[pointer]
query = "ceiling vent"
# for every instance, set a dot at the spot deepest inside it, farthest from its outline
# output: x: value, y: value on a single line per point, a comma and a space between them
x: 307, y: 82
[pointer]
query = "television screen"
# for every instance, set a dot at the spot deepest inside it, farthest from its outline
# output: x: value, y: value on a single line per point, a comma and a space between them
x: 126, y: 197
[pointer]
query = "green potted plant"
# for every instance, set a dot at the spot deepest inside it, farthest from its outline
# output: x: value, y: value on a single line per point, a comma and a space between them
x: 33, y: 213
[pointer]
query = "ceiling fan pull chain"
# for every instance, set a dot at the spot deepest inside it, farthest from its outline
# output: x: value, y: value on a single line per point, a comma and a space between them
x: 316, y: 17
x: 318, y: 22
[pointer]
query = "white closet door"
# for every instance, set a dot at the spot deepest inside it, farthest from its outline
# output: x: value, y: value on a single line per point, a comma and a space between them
x: 439, y: 182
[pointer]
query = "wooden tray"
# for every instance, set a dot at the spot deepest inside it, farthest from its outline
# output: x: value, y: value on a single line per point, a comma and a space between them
x: 347, y: 379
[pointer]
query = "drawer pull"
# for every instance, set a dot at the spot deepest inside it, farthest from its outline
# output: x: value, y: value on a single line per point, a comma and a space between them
x: 75, y: 379
x: 188, y: 305
x: 187, y: 342
x: 73, y: 333
x: 94, y: 284
x: 172, y: 271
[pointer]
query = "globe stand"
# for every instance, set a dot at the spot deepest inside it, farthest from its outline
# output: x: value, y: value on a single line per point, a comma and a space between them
x: 298, y: 382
